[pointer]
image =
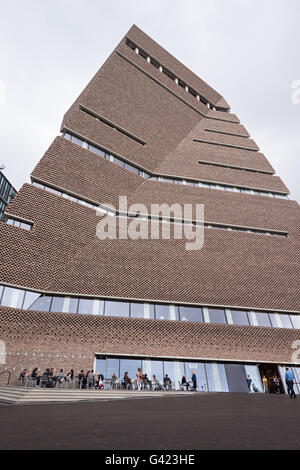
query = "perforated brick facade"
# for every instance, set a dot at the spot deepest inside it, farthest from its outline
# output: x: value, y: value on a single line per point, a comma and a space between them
x: 134, y: 110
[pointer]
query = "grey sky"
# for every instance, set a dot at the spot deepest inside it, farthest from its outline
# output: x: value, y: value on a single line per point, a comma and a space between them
x: 248, y: 50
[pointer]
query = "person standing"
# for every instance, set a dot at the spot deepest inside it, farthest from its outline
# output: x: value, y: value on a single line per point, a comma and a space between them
x: 289, y: 379
x: 139, y: 377
x: 194, y: 381
x: 265, y: 384
x: 249, y: 383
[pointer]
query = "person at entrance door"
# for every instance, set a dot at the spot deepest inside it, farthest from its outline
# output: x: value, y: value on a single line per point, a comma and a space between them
x: 265, y: 384
x: 249, y: 382
x: 289, y: 379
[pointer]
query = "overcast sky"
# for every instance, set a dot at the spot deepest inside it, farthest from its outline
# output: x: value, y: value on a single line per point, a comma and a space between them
x: 248, y: 50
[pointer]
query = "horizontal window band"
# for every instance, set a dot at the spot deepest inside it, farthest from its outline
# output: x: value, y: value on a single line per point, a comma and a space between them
x: 113, y: 157
x: 249, y: 149
x: 156, y: 217
x: 11, y: 297
x: 120, y: 54
x: 17, y: 221
x: 109, y: 123
x: 173, y: 76
x: 206, y: 224
x: 193, y: 359
x: 227, y: 133
x: 148, y: 300
x: 235, y: 167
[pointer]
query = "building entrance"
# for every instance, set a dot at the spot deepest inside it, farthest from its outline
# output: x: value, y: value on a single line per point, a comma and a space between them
x: 270, y: 371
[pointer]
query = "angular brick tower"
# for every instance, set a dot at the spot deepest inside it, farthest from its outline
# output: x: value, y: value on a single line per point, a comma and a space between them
x: 148, y: 128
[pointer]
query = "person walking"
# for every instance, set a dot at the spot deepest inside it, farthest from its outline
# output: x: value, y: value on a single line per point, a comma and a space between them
x: 289, y: 379
x: 265, y: 384
x: 194, y: 381
x: 249, y: 383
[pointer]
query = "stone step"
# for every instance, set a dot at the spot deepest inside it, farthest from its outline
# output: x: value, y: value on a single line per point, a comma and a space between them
x: 42, y: 395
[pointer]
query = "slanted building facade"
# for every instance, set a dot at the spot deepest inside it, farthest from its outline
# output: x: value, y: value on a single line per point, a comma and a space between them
x: 148, y: 128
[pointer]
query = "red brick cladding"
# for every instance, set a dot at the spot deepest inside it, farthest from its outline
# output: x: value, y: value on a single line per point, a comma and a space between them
x: 82, y: 172
x: 222, y: 126
x: 214, y: 153
x: 67, y: 257
x: 225, y: 207
x: 73, y: 168
x: 164, y: 57
x: 140, y: 106
x: 37, y: 339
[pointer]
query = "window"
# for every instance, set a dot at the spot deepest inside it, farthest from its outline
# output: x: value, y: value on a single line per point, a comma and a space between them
x: 131, y: 366
x: 280, y: 321
x: 42, y: 304
x: 30, y: 298
x: 216, y: 376
x: 259, y: 319
x: 85, y: 306
x: 112, y: 367
x: 116, y: 309
x: 191, y: 314
x: 19, y: 224
x: 12, y: 297
x: 38, y: 185
x: 101, y: 366
x: 217, y: 315
x: 199, y: 369
x: 58, y: 304
x: 153, y: 367
x: 75, y: 140
x: 295, y: 321
x: 239, y: 317
x: 141, y: 310
x: 175, y: 371
x: 166, y: 312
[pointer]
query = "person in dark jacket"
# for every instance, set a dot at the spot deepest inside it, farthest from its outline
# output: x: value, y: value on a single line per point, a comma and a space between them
x: 194, y: 380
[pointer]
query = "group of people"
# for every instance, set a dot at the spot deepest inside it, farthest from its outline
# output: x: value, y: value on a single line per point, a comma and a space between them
x: 273, y: 384
x: 47, y: 378
x: 95, y: 380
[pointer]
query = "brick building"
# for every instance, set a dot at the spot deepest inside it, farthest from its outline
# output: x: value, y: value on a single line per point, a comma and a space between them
x: 148, y: 128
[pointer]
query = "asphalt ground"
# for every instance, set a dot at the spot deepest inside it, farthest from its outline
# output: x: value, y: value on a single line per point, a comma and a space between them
x: 194, y: 422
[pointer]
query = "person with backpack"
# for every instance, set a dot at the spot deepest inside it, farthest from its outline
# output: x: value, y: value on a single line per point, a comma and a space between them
x: 289, y: 379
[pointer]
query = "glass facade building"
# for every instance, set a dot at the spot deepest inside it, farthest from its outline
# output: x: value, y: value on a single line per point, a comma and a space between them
x: 7, y: 192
